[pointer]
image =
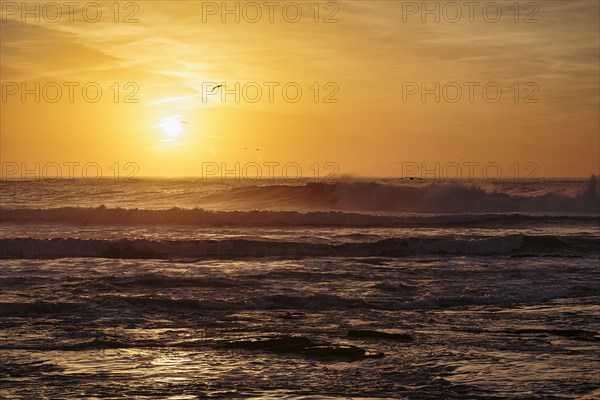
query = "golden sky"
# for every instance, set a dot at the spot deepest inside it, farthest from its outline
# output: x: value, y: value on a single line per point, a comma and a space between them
x: 364, y: 55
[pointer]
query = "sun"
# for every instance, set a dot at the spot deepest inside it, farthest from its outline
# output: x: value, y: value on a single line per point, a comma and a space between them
x: 172, y: 126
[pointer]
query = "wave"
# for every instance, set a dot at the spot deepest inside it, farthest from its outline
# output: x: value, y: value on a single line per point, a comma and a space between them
x: 200, y: 217
x: 308, y: 301
x: 347, y: 203
x: 385, y: 196
x: 514, y: 245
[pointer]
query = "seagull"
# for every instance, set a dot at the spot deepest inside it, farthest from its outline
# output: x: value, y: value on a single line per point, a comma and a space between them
x: 215, y: 88
x: 184, y: 122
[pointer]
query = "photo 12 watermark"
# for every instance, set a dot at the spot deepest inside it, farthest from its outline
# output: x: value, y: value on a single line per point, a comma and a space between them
x: 252, y: 12
x: 271, y: 92
x: 492, y: 12
x: 71, y: 92
x: 68, y: 170
x: 467, y: 170
x: 54, y: 12
x: 471, y: 92
x: 268, y: 171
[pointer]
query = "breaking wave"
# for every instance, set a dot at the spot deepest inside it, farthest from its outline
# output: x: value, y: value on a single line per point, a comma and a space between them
x: 335, y: 204
x: 379, y: 196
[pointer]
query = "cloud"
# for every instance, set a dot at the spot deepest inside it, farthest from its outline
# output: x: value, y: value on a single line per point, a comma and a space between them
x: 34, y: 51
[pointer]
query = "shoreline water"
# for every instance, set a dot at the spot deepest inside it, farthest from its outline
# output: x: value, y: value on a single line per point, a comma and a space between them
x: 146, y: 292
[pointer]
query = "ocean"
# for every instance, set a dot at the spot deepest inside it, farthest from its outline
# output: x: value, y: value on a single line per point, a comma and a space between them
x: 353, y: 288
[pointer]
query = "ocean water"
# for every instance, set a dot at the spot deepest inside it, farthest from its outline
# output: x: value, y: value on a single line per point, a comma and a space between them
x: 381, y: 288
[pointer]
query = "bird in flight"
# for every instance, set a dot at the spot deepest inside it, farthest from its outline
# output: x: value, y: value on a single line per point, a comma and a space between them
x: 184, y: 122
x: 215, y: 88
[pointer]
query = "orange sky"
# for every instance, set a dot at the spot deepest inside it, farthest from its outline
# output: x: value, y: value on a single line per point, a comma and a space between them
x: 373, y: 53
